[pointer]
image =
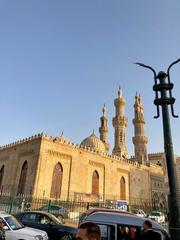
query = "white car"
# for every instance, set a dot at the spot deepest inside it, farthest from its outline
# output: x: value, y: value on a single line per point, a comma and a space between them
x: 14, y: 230
x: 159, y: 217
x: 139, y: 212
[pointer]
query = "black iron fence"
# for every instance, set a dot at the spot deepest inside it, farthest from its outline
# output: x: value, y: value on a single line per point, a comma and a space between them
x: 15, y: 204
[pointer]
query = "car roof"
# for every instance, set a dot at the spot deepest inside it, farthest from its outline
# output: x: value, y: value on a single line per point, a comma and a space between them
x: 93, y: 210
x: 52, y: 205
x: 40, y: 212
x: 3, y: 215
x: 121, y: 218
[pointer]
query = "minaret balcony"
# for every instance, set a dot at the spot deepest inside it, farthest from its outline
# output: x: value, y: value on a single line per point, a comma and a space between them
x: 120, y: 121
x: 138, y: 121
x: 140, y: 140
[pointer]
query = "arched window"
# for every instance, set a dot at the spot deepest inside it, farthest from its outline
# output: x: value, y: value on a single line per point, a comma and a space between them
x: 162, y: 201
x: 56, y: 181
x: 1, y: 177
x: 122, y: 189
x: 23, y: 178
x: 155, y: 200
x: 95, y: 183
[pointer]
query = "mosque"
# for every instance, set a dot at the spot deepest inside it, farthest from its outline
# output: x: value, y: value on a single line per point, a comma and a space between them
x: 53, y: 167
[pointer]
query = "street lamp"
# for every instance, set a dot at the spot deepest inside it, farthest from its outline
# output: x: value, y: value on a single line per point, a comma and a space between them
x: 164, y: 88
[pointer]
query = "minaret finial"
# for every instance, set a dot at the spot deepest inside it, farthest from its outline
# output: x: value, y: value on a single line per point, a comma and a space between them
x: 120, y: 92
x: 104, y: 110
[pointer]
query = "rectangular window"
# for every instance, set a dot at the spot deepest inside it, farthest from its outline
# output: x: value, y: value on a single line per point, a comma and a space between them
x: 30, y: 217
x: 107, y: 232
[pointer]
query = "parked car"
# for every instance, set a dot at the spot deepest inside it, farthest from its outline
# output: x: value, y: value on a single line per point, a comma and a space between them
x: 60, y: 212
x: 139, y: 212
x: 111, y: 224
x: 158, y: 217
x: 47, y: 222
x: 14, y: 230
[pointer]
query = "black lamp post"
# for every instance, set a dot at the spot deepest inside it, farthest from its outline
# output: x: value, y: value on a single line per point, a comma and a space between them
x: 165, y: 99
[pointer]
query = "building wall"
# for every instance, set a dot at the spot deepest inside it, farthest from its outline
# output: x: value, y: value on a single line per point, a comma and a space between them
x: 78, y: 167
x: 42, y: 153
x: 177, y: 164
x: 13, y: 157
x: 140, y: 184
x: 160, y: 159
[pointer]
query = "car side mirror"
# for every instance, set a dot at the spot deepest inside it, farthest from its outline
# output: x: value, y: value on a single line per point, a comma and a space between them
x: 5, y: 228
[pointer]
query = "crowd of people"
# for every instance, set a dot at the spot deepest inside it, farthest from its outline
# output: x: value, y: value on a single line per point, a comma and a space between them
x: 91, y: 231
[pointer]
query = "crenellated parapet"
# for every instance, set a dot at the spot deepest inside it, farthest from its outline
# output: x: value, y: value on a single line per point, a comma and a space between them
x: 22, y: 141
x: 66, y: 142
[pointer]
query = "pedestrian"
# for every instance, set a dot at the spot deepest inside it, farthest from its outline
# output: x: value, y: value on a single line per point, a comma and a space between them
x: 22, y: 205
x: 88, y: 231
x: 148, y: 233
x: 2, y: 232
x: 123, y: 233
x: 27, y: 206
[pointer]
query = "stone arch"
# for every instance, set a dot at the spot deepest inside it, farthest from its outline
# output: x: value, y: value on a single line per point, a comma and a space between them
x: 1, y: 177
x: 155, y: 200
x: 23, y: 178
x: 162, y: 201
x: 56, y: 184
x: 122, y: 188
x: 95, y: 183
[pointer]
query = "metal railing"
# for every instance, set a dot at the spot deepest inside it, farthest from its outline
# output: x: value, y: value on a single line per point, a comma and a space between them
x: 15, y: 204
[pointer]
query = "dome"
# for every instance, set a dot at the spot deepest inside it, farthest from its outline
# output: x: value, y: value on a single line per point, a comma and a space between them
x: 93, y: 142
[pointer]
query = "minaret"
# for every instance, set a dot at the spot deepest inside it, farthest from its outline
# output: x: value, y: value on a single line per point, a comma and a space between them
x: 103, y: 130
x: 120, y: 124
x: 139, y: 140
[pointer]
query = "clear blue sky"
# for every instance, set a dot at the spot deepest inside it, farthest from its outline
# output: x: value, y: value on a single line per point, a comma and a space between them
x: 61, y: 60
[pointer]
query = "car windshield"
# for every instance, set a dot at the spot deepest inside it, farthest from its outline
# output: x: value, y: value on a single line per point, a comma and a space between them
x: 54, y: 219
x: 51, y: 207
x: 156, y: 214
x: 13, y: 223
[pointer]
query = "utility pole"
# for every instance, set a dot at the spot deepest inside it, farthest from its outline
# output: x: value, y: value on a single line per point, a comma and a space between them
x: 163, y: 98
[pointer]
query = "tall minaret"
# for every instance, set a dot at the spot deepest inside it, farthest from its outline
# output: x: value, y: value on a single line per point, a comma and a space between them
x: 120, y: 124
x: 139, y: 140
x: 103, y: 130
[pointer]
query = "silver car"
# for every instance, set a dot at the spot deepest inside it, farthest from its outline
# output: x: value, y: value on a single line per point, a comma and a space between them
x: 14, y: 230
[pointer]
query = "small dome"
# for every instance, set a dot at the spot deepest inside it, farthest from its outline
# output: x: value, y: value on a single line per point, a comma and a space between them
x: 93, y: 142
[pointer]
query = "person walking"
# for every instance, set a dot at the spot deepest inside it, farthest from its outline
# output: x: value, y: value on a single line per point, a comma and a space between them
x: 88, y: 231
x: 2, y: 232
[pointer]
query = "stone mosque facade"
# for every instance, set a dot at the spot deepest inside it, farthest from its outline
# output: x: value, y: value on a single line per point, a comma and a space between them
x: 53, y: 167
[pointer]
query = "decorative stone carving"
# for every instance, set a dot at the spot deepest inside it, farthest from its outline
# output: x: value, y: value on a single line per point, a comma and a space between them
x: 96, y: 164
x: 58, y: 154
